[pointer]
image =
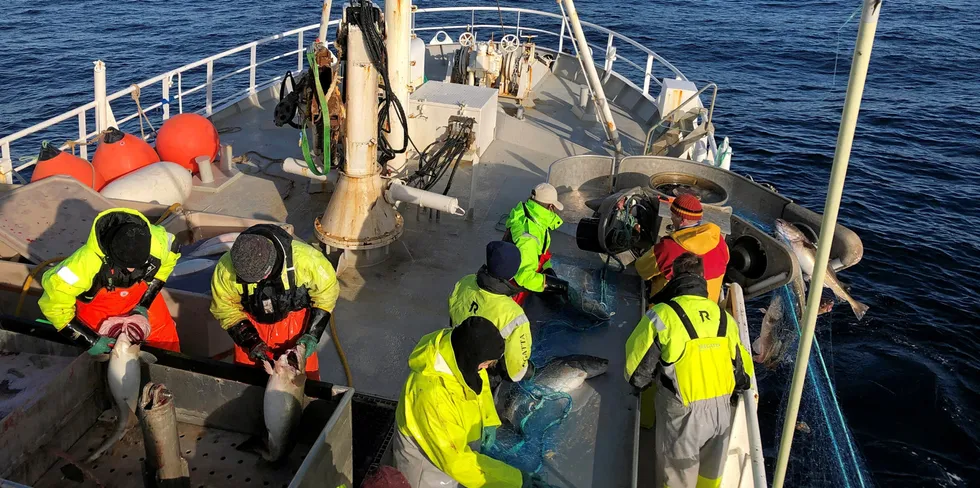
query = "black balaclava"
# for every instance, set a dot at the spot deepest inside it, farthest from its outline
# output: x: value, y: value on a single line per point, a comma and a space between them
x: 253, y: 257
x: 474, y: 341
x: 129, y: 245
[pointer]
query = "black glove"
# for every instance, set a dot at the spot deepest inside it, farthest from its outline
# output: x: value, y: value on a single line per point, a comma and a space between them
x: 550, y: 272
x: 152, y: 290
x: 246, y: 337
x: 556, y: 286
x: 88, y: 338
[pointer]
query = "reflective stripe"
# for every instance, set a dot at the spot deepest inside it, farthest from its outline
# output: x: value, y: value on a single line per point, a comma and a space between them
x: 532, y: 236
x: 67, y: 275
x: 657, y: 322
x: 441, y: 365
x: 509, y: 329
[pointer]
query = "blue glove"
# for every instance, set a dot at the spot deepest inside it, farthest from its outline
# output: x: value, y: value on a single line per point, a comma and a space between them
x: 309, y: 344
x: 102, y: 346
x: 489, y: 437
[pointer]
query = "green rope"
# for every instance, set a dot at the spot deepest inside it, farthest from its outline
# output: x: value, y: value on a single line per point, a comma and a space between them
x: 324, y: 112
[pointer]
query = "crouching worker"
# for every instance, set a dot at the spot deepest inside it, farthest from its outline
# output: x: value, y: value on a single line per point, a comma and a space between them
x: 690, y: 347
x: 447, y: 409
x: 271, y: 293
x: 488, y: 294
x: 118, y: 273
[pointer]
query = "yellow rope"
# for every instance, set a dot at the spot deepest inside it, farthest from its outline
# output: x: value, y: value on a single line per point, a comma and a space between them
x: 340, y: 352
x: 171, y: 209
x: 30, y: 279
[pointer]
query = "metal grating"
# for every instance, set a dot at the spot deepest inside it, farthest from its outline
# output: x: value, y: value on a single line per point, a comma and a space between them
x: 212, y: 455
x: 373, y: 429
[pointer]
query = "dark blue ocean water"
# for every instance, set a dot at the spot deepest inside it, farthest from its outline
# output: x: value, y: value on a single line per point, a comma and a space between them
x: 908, y: 376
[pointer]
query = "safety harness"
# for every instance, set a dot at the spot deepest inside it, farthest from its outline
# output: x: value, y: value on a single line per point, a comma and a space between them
x: 272, y: 299
x: 705, y: 369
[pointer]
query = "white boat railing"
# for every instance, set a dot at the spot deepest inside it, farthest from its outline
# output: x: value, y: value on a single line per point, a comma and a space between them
x: 170, y: 85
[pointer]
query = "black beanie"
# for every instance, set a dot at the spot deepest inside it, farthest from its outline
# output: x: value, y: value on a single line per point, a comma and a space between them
x: 474, y: 341
x: 129, y: 245
x: 253, y: 257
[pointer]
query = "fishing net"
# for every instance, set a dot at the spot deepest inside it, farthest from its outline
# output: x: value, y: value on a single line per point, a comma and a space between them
x: 824, y: 453
x: 532, y: 438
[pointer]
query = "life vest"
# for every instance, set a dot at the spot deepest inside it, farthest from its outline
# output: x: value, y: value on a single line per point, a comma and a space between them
x: 272, y: 299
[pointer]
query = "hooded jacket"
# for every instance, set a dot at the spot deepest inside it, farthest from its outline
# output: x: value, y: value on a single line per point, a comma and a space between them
x: 443, y: 415
x: 529, y: 227
x: 705, y: 240
x: 88, y: 269
x: 485, y: 296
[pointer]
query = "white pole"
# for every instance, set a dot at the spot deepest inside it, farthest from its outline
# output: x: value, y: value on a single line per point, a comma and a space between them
x: 101, y: 112
x: 845, y: 138
x: 324, y: 22
x: 398, y: 23
x: 588, y: 65
x: 362, y: 100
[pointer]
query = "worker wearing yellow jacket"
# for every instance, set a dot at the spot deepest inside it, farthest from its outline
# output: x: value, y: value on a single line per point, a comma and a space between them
x: 271, y: 293
x: 446, y: 406
x: 690, y: 347
x: 118, y: 272
x: 488, y: 294
x: 529, y: 227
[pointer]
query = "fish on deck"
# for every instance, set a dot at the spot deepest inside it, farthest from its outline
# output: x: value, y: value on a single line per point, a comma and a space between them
x: 562, y: 375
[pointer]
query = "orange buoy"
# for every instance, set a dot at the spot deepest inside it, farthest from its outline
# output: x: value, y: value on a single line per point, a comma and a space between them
x: 186, y: 136
x: 52, y: 161
x: 120, y: 153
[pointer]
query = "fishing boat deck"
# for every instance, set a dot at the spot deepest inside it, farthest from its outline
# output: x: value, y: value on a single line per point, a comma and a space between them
x: 385, y: 309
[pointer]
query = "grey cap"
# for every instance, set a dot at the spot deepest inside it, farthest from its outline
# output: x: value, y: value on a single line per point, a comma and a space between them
x: 254, y: 257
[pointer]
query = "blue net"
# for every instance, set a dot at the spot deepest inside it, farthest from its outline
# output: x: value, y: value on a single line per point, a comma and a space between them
x: 531, y: 438
x: 824, y: 453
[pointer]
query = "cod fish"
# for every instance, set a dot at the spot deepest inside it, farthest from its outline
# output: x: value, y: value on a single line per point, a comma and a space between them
x: 806, y: 253
x: 209, y: 247
x: 564, y: 374
x: 123, y: 375
x: 777, y: 333
x: 191, y: 266
x: 282, y: 405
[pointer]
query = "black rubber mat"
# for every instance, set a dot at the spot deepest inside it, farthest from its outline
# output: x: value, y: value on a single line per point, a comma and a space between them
x: 373, y: 428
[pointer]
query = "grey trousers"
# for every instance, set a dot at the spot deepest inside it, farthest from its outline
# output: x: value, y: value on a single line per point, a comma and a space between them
x: 411, y: 460
x: 692, y: 441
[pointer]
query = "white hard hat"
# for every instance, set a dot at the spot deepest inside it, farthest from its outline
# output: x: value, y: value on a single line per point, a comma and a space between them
x: 546, y: 194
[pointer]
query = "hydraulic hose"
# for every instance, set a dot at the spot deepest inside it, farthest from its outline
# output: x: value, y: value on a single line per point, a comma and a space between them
x: 340, y: 351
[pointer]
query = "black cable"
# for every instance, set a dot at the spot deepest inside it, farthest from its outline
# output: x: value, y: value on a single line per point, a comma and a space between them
x: 375, y: 45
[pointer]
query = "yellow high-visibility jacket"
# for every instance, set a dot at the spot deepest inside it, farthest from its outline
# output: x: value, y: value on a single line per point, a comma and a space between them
x: 77, y: 273
x: 529, y: 226
x: 443, y: 415
x: 469, y: 300
x: 696, y: 360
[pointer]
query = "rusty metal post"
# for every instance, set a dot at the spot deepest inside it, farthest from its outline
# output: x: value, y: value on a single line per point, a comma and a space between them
x: 358, y: 219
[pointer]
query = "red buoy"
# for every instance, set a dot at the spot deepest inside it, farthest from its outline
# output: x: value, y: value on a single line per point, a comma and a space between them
x: 184, y: 137
x: 52, y: 161
x: 120, y: 153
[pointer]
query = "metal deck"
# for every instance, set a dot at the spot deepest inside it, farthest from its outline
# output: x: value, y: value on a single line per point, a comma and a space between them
x: 384, y: 310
